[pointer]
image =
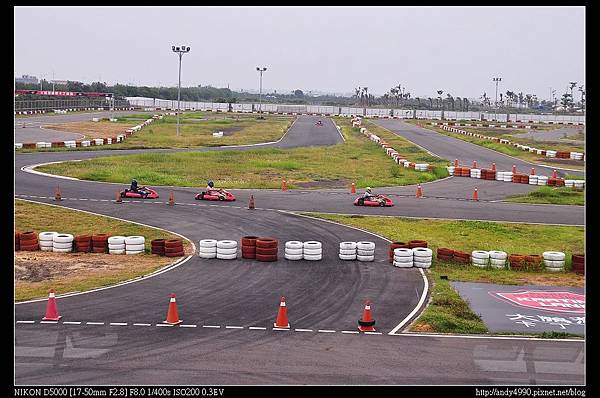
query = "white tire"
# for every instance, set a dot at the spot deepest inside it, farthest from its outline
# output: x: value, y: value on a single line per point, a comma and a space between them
x: 554, y: 256
x: 56, y: 250
x: 46, y: 248
x: 348, y: 252
x: 57, y: 245
x: 365, y: 252
x: 497, y: 255
x: 347, y: 246
x: 207, y: 255
x: 313, y: 257
x: 480, y: 254
x: 403, y: 252
x: 116, y: 252
x: 46, y: 243
x: 498, y: 266
x: 294, y: 244
x: 313, y: 252
x: 63, y: 238
x: 365, y: 258
x: 134, y: 240
x: 226, y: 256
x: 497, y: 263
x: 403, y: 265
x: 292, y: 257
x: 226, y: 244
x: 130, y: 252
x: 312, y: 245
x: 129, y: 247
x: 554, y: 264
x: 365, y: 245
x: 403, y: 259
x: 422, y: 252
x: 554, y: 269
x: 116, y: 240
x: 116, y: 247
x: 226, y: 252
x: 347, y: 256
x: 46, y: 236
x: 480, y: 262
x: 422, y: 265
x: 208, y: 243
x: 294, y: 252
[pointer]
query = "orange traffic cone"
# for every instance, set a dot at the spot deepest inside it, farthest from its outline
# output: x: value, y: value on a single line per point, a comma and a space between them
x: 514, y: 169
x: 493, y: 166
x: 282, y: 319
x: 118, y: 200
x: 353, y: 189
x: 474, y: 164
x: 51, y: 308
x: 366, y: 323
x: 554, y: 174
x: 251, y: 203
x: 532, y: 171
x: 419, y: 191
x: 171, y: 199
x: 455, y: 162
x: 172, y: 315
x: 475, y: 194
x: 283, y: 185
x: 57, y: 195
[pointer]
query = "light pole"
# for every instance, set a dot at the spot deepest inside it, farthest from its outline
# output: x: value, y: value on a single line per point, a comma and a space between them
x: 261, y: 70
x: 572, y: 84
x: 496, y: 79
x: 180, y: 51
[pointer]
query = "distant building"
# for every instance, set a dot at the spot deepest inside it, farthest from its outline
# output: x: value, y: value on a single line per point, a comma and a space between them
x: 60, y: 82
x: 26, y: 79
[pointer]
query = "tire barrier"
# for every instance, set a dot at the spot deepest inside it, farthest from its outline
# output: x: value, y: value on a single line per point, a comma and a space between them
x: 480, y: 258
x: 394, y: 154
x: 249, y: 247
x: 365, y: 251
x: 347, y: 251
x: 294, y: 250
x: 157, y: 246
x: 45, y: 240
x: 516, y: 261
x: 17, y: 242
x: 422, y: 257
x: 417, y: 243
x: 83, y: 243
x: 207, y: 248
x: 312, y: 250
x: 578, y: 263
x: 135, y: 244
x: 445, y: 254
x: 498, y: 259
x: 62, y: 243
x: 116, y: 245
x: 28, y: 241
x: 547, y: 153
x: 266, y: 249
x: 174, y: 248
x: 403, y: 257
x: 226, y: 249
x: 393, y: 246
x: 579, y: 184
x: 554, y: 261
x: 461, y: 257
x: 100, y: 243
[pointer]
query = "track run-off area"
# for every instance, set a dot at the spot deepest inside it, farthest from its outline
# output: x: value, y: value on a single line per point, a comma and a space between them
x: 113, y: 335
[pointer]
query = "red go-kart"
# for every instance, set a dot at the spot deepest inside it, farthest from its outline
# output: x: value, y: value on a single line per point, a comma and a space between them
x: 215, y: 195
x: 377, y: 200
x: 143, y: 193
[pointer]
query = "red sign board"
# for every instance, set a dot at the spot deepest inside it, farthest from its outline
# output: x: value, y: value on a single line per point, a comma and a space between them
x: 64, y: 93
x: 546, y: 300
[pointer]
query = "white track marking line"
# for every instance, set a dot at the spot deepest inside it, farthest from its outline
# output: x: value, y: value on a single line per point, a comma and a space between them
x: 284, y: 329
x: 303, y: 330
x: 71, y: 323
x: 25, y: 321
x: 350, y: 331
x: 257, y: 328
x: 118, y: 324
x: 234, y: 327
x: 187, y: 326
x: 372, y: 333
x: 94, y: 323
x: 211, y: 326
x: 142, y: 324
x: 55, y: 322
x: 164, y: 324
x: 325, y: 331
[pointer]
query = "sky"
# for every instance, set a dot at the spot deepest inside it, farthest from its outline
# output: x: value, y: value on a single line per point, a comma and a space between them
x: 328, y: 49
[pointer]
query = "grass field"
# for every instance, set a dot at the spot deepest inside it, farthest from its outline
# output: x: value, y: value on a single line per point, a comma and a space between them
x: 551, y: 195
x: 36, y: 272
x: 447, y: 312
x: 314, y: 167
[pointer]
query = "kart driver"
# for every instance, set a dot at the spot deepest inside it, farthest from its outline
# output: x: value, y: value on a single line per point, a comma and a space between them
x: 134, y: 185
x: 368, y: 195
x: 210, y: 189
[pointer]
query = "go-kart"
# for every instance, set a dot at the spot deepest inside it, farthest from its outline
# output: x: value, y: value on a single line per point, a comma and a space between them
x: 319, y: 123
x: 143, y: 192
x: 215, y: 195
x: 376, y: 200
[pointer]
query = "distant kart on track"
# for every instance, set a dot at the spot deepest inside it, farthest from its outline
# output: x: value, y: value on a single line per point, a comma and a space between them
x: 377, y: 200
x: 214, y: 195
x: 142, y: 193
x: 319, y: 123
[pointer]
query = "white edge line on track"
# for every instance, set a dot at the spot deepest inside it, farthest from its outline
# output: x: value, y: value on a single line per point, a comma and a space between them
x: 143, y: 277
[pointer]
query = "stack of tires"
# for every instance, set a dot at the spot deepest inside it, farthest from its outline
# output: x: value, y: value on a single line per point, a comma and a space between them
x: 116, y: 245
x: 365, y: 251
x: 83, y: 243
x: 461, y: 257
x: 312, y: 250
x: 17, y: 241
x: 422, y: 257
x: 174, y: 248
x: 294, y: 250
x: 99, y: 243
x: 534, y: 261
x: 497, y: 259
x: 417, y: 243
x: 28, y: 241
x: 554, y: 261
x: 533, y: 179
x: 266, y: 249
x: 394, y: 246
x: 347, y: 251
x: 157, y: 246
x: 480, y: 258
x: 516, y: 261
x: 578, y: 262
x: 46, y: 241
x: 62, y: 243
x: 445, y: 254
x: 475, y: 173
x: 249, y: 247
x: 135, y: 245
x: 403, y: 257
x: 542, y: 180
x: 207, y: 248
x: 226, y: 249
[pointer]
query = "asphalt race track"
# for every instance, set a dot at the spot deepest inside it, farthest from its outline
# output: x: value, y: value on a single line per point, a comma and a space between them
x: 228, y: 307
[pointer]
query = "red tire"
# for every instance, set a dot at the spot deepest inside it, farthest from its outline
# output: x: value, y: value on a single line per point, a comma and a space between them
x: 249, y: 255
x: 266, y: 258
x: 461, y: 260
x: 249, y: 240
x: 461, y: 254
x: 266, y: 243
x: 158, y: 243
x: 534, y: 259
x: 173, y: 243
x: 29, y: 235
x: 83, y: 238
x: 100, y: 237
x: 82, y: 249
x: 173, y: 249
x: 30, y: 248
x: 442, y: 257
x: 578, y: 259
x: 98, y: 249
x: 442, y: 251
x: 417, y: 243
x: 175, y: 254
x: 266, y: 251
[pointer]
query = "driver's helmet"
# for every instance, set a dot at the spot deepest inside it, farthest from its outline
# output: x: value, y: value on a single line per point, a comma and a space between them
x: 134, y: 182
x: 368, y: 189
x: 211, y: 183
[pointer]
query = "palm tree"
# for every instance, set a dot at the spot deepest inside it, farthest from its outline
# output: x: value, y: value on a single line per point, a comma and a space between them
x: 440, y: 101
x: 466, y: 101
x: 366, y: 94
x: 459, y: 100
x: 357, y: 92
x: 520, y: 99
x: 450, y: 100
x: 431, y: 102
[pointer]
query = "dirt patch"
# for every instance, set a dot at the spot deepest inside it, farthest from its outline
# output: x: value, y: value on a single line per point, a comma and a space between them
x: 228, y: 130
x: 324, y: 184
x: 103, y: 129
x: 567, y: 279
x: 422, y: 327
